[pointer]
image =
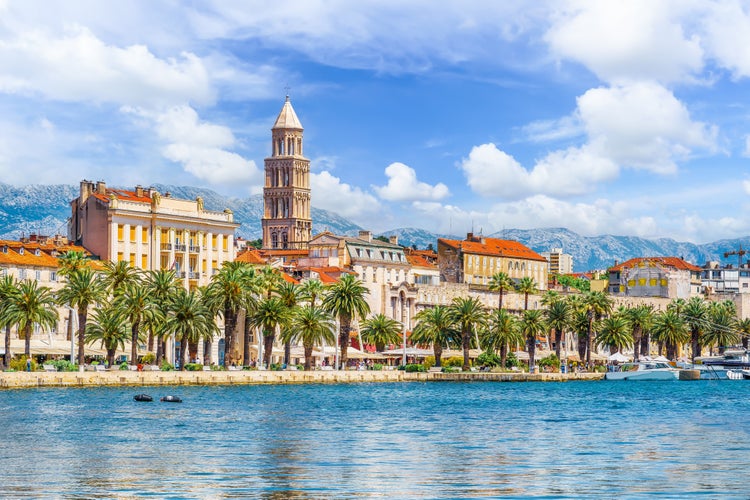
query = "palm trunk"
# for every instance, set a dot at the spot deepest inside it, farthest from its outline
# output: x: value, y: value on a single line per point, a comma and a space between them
x: 150, y: 341
x: 344, y: 339
x: 27, y: 340
x: 6, y: 356
x: 645, y: 341
x: 268, y: 338
x: 558, y: 341
x: 159, y: 352
x: 637, y: 333
x: 581, y: 347
x: 308, y: 357
x: 183, y: 351
x: 111, y: 356
x: 466, y: 343
x: 246, y: 341
x: 589, y: 343
x: 287, y: 352
x: 500, y: 300
x: 134, y: 343
x: 438, y: 350
x: 230, y: 319
x: 695, y: 337
x: 531, y: 343
x: 82, y: 318
x: 504, y: 355
x: 207, y: 347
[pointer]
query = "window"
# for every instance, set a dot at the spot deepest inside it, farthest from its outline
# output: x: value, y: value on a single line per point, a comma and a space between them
x: 132, y: 260
x: 119, y: 232
x: 21, y: 274
x: 132, y: 234
x: 119, y: 257
x: 144, y: 235
x: 38, y: 276
x: 144, y: 261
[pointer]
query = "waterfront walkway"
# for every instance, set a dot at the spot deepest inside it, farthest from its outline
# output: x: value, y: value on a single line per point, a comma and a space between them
x: 17, y: 380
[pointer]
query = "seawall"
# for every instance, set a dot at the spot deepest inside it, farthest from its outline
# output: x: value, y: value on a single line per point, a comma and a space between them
x: 18, y: 380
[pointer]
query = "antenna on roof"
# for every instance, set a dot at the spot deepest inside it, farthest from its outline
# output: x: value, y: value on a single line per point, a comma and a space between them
x: 287, y: 88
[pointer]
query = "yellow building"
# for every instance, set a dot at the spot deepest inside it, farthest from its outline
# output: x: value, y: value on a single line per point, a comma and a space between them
x: 152, y: 231
x: 475, y: 259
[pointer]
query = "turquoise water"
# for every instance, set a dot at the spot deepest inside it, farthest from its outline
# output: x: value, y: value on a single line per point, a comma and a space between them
x: 397, y: 440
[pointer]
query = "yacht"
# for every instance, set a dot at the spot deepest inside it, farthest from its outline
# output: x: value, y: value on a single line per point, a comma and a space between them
x: 729, y: 365
x: 642, y: 370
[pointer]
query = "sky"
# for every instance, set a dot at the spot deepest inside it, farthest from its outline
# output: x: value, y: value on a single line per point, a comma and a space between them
x: 606, y: 117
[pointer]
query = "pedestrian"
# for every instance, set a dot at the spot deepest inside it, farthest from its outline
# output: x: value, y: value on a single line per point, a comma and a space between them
x: 28, y: 364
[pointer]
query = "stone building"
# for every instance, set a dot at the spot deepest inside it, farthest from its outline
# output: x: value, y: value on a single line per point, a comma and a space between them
x: 669, y: 277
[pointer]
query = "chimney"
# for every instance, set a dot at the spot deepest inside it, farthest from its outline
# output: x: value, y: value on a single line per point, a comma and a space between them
x: 393, y: 239
x: 469, y: 236
x: 86, y: 188
x: 366, y: 235
x: 139, y: 191
x: 101, y: 187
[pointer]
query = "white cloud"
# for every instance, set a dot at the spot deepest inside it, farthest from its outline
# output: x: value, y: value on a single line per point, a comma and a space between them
x: 746, y: 152
x: 627, y: 40
x: 404, y: 186
x: 329, y: 193
x: 642, y: 126
x: 492, y: 172
x: 727, y: 34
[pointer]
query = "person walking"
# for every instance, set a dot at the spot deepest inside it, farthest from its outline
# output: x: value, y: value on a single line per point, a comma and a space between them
x: 28, y: 364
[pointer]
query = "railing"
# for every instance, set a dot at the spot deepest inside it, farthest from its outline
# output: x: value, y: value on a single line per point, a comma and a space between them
x: 180, y: 248
x: 181, y: 274
x: 166, y: 246
x: 194, y: 276
x: 194, y: 249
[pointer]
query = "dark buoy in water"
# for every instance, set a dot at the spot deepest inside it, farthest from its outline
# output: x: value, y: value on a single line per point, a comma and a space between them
x: 171, y: 399
x: 143, y: 398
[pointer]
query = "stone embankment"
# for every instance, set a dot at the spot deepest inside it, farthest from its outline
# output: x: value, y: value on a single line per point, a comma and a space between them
x: 17, y: 380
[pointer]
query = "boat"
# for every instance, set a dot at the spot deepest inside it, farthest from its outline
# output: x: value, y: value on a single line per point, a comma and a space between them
x: 144, y: 398
x: 738, y: 374
x: 728, y: 365
x: 642, y: 370
x: 171, y: 399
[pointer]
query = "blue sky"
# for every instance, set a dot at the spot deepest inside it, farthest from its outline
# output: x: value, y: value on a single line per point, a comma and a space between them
x: 607, y: 117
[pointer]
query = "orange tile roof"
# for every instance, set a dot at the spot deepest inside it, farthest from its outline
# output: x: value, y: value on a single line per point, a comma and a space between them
x: 420, y: 261
x: 289, y: 279
x: 122, y: 194
x: 14, y: 256
x: 495, y: 247
x: 250, y: 256
x: 673, y: 262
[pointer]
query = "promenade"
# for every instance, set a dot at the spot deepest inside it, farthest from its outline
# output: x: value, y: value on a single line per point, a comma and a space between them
x: 18, y: 380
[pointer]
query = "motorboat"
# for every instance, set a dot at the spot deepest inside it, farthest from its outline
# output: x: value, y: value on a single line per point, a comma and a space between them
x: 171, y: 399
x: 143, y: 398
x: 729, y: 365
x: 738, y: 374
x: 642, y: 370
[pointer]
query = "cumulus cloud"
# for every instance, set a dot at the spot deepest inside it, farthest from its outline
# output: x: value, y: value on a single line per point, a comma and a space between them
x: 727, y: 35
x: 404, y: 186
x: 626, y: 40
x: 329, y: 193
x: 746, y: 152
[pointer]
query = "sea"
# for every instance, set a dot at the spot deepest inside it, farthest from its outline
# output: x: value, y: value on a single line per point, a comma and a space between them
x: 457, y: 440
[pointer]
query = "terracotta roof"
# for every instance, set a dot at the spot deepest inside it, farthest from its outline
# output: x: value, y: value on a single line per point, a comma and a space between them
x: 287, y: 118
x: 289, y: 279
x: 673, y: 262
x: 326, y: 279
x: 24, y: 254
x: 122, y: 194
x: 250, y: 256
x: 420, y: 261
x: 495, y: 247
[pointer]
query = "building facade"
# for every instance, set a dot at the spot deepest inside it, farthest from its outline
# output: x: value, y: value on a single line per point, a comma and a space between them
x: 668, y: 277
x: 152, y: 231
x: 286, y: 223
x: 727, y: 279
x: 559, y: 262
x: 475, y: 259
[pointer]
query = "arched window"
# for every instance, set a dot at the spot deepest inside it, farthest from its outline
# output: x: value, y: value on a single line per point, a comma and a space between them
x: 274, y: 240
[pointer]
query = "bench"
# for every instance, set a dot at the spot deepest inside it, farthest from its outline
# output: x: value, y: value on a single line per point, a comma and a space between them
x: 49, y: 368
x: 435, y: 369
x: 100, y: 368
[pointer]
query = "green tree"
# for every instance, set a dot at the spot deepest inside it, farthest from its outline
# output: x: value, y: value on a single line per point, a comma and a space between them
x: 117, y: 276
x: 670, y: 329
x: 311, y: 291
x: 135, y: 301
x: 695, y: 314
x: 532, y: 326
x: 435, y: 327
x: 8, y: 291
x: 82, y: 289
x: 722, y: 330
x: 743, y: 327
x: 162, y: 286
x: 381, y: 331
x: 597, y: 305
x: 500, y: 282
x: 558, y: 315
x: 290, y: 294
x: 526, y: 286
x: 467, y: 314
x: 228, y: 293
x: 311, y: 326
x: 190, y: 319
x: 269, y: 314
x: 109, y: 325
x: 502, y: 331
x: 615, y: 333
x: 71, y: 261
x: 346, y: 300
x: 32, y: 305
x: 639, y: 318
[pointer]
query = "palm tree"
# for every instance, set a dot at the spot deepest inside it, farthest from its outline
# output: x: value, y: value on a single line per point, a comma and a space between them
x: 228, y: 293
x: 32, y: 305
x: 190, y: 319
x: 8, y: 289
x: 270, y: 313
x: 435, y: 327
x: 312, y: 326
x: 502, y: 331
x: 346, y: 300
x: 532, y: 326
x: 311, y: 290
x: 467, y: 314
x: 743, y: 326
x: 597, y: 305
x: 669, y: 328
x: 499, y: 282
x: 722, y: 330
x: 135, y: 301
x: 381, y: 331
x: 290, y: 294
x: 82, y: 289
x: 526, y: 286
x: 695, y: 314
x: 558, y: 314
x: 118, y: 275
x: 162, y: 285
x: 109, y: 325
x: 71, y: 261
x: 615, y: 333
x: 639, y: 318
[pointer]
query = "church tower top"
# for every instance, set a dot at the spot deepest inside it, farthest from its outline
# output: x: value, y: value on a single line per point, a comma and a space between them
x: 287, y: 118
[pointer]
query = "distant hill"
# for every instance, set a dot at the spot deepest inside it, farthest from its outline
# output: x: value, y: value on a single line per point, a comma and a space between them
x: 45, y: 209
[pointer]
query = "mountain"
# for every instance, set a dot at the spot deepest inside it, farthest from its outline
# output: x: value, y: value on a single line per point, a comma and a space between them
x: 45, y: 209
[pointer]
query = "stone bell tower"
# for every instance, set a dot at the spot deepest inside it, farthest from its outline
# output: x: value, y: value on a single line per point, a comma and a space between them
x: 286, y: 195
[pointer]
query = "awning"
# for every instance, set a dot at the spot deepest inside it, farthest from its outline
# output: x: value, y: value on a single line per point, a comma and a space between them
x: 413, y: 352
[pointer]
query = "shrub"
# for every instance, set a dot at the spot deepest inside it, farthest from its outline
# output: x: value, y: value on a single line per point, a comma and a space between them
x: 63, y: 365
x: 488, y: 359
x: 149, y: 358
x: 193, y: 367
x: 411, y: 368
x: 166, y: 367
x: 551, y: 361
x: 450, y: 369
x: 511, y: 360
x: 429, y: 362
x: 453, y: 361
x: 377, y: 367
x: 123, y: 365
x: 20, y: 364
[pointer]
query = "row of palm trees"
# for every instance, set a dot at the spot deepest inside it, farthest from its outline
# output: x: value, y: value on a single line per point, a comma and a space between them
x: 128, y: 305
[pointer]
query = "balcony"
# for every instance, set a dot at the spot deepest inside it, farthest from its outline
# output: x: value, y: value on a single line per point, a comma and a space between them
x: 179, y: 248
x: 166, y: 247
x: 194, y: 249
x: 194, y: 275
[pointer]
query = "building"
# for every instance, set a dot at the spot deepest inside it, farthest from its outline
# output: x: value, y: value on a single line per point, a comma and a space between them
x: 559, y: 262
x: 152, y: 231
x: 286, y: 222
x: 669, y: 277
x: 728, y: 279
x: 475, y: 259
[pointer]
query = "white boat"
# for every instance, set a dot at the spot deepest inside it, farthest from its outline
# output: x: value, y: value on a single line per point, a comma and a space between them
x: 642, y: 370
x: 737, y: 374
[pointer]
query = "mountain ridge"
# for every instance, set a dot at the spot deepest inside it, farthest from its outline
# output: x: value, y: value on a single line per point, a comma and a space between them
x: 21, y: 213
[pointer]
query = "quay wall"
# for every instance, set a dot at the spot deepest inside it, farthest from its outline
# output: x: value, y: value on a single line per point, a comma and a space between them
x: 18, y: 380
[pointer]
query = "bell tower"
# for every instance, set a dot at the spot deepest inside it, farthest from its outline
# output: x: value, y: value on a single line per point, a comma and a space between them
x: 286, y: 195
